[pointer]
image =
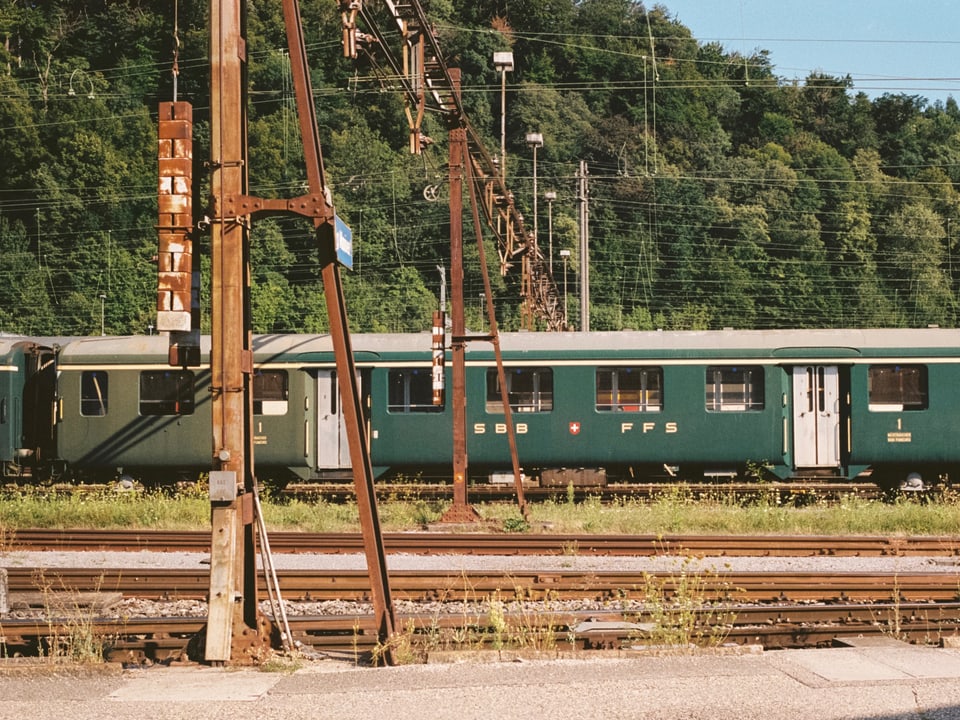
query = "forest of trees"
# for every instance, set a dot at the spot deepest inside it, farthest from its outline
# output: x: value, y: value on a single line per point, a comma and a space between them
x: 720, y: 194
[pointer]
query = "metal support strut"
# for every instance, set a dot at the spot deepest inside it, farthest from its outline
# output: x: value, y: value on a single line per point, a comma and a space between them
x: 234, y: 621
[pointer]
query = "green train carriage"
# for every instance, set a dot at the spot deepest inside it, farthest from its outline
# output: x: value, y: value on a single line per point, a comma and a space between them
x: 621, y: 403
x: 122, y: 410
x: 794, y: 403
x: 26, y: 405
x: 629, y: 404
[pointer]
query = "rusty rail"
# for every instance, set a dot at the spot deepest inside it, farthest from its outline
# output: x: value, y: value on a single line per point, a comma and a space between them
x: 533, y: 585
x: 355, y: 637
x: 506, y: 544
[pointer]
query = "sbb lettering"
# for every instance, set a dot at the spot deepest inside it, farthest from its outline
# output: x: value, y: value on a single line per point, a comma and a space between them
x: 500, y: 428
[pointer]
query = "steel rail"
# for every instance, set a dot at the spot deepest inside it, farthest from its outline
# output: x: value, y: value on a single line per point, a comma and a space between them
x: 572, y: 545
x: 529, y: 585
x: 788, y: 492
x: 798, y: 626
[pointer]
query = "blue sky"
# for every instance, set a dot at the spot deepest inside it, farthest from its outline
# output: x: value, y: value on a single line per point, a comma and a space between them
x: 891, y: 46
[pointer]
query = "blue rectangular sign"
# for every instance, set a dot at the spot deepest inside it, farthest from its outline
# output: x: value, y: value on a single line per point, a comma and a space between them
x: 344, y: 242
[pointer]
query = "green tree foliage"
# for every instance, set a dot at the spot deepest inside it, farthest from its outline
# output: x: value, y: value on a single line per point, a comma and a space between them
x: 915, y: 265
x: 719, y: 194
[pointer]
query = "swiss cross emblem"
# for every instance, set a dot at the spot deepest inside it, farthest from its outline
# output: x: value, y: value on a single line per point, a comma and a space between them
x: 574, y: 428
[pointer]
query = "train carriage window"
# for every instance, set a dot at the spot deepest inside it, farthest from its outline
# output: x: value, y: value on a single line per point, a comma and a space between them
x: 734, y: 389
x: 93, y: 393
x: 411, y: 391
x: 629, y: 389
x: 529, y: 390
x: 892, y: 388
x: 166, y: 392
x: 270, y: 392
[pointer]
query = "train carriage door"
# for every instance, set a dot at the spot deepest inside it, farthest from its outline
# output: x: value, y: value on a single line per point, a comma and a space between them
x: 816, y: 416
x: 332, y: 448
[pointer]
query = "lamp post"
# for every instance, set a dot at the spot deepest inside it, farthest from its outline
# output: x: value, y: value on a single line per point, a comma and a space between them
x: 503, y: 62
x: 103, y: 299
x: 535, y: 140
x: 565, y: 254
x: 550, y: 196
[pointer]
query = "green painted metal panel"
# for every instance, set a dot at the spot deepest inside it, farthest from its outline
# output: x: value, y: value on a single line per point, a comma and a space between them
x: 908, y: 436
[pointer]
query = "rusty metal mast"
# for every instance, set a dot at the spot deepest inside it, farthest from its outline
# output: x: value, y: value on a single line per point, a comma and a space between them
x: 420, y: 73
x: 232, y: 624
x: 231, y: 360
x: 427, y: 82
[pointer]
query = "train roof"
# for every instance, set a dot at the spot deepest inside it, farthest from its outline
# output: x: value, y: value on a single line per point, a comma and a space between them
x: 773, y: 344
x: 746, y: 343
x: 14, y: 346
x: 114, y: 350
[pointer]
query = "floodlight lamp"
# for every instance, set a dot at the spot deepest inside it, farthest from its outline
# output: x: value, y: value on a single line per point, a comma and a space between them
x: 503, y: 61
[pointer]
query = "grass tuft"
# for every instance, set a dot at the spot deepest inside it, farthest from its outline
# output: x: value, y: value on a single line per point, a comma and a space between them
x: 676, y: 512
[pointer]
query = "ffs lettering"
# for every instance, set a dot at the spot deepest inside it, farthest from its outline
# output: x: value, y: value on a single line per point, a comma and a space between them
x: 669, y: 428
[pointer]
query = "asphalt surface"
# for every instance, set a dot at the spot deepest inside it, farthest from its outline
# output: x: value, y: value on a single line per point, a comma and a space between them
x: 880, y: 680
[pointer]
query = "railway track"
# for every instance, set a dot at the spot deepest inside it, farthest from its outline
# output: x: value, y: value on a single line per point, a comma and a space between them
x: 799, y: 492
x: 785, y: 626
x: 504, y: 544
x: 793, y: 492
x: 533, y: 585
x: 773, y: 609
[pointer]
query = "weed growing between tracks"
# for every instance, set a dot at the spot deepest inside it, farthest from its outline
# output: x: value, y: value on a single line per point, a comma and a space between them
x: 72, y: 636
x: 103, y: 508
x: 689, y: 609
x: 500, y: 621
x: 896, y: 623
x: 679, y: 612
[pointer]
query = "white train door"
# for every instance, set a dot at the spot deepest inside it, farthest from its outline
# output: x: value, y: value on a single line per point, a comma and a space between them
x: 816, y: 416
x: 332, y: 448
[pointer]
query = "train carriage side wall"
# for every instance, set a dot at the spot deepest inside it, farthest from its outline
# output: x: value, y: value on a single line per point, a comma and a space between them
x: 419, y: 437
x: 575, y: 431
x: 891, y: 435
x: 11, y: 390
x: 735, y: 435
x: 118, y: 435
x: 283, y: 429
x: 577, y: 403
